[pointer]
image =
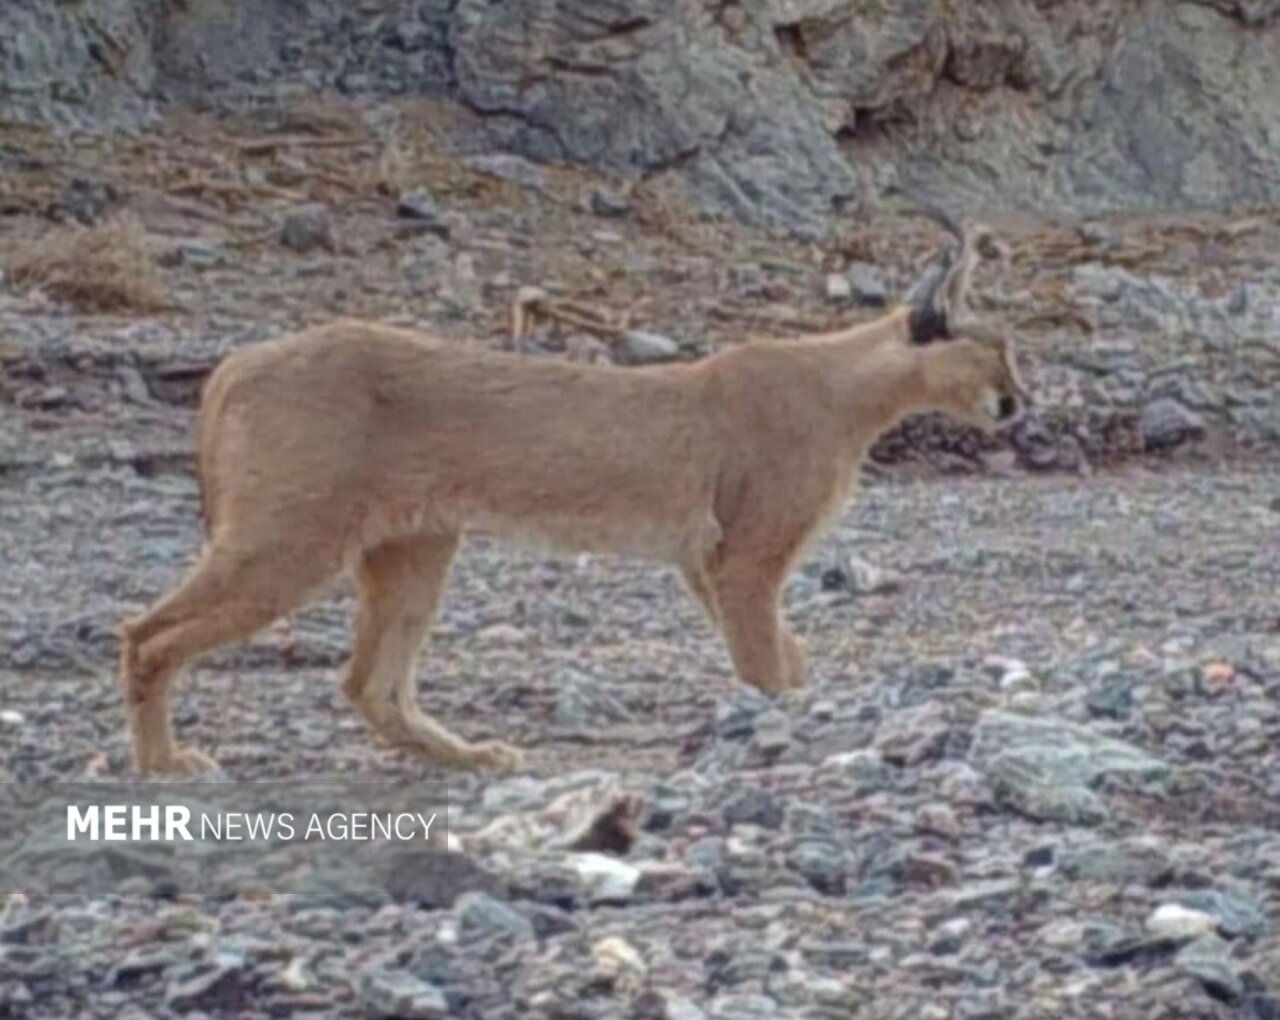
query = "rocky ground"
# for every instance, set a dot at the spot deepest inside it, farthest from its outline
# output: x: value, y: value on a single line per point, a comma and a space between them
x: 1036, y: 773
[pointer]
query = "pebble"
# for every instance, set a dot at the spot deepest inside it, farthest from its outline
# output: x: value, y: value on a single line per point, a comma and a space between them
x: 607, y: 202
x: 615, y: 956
x: 1167, y: 423
x: 937, y: 820
x: 822, y: 864
x: 1172, y: 921
x: 838, y: 288
x: 421, y: 216
x: 308, y: 229
x: 514, y: 169
x: 866, y: 578
x: 417, y: 204
x: 744, y: 1007
x: 480, y: 916
x: 1208, y: 960
x: 217, y: 981
x: 867, y: 284
x: 677, y: 1008
x: 1236, y: 916
x: 754, y: 806
x: 398, y: 995
x: 605, y: 879
x: 638, y: 347
x: 771, y: 736
x: 1045, y: 767
x: 585, y: 700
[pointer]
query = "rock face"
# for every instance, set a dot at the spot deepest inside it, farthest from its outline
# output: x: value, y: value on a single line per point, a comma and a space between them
x: 781, y: 112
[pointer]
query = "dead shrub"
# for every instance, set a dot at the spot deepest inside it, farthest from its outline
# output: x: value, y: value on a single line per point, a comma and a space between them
x: 103, y: 268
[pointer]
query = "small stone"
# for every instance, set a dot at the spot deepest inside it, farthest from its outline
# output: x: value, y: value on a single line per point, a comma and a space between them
x: 609, y: 203
x: 637, y: 347
x: 772, y: 735
x: 744, y: 1007
x: 398, y: 995
x: 417, y: 206
x: 1263, y: 1007
x: 215, y: 984
x: 706, y: 854
x: 14, y: 996
x: 1045, y: 768
x: 619, y: 958
x: 1217, y: 677
x: 674, y: 1007
x: 1064, y: 935
x: 50, y: 398
x: 868, y: 579
x: 293, y: 978
x: 938, y: 820
x: 1012, y: 674
x: 737, y: 719
x: 1235, y: 916
x: 502, y: 635
x: 514, y: 169
x: 824, y: 710
x: 1208, y: 960
x: 605, y: 879
x: 195, y: 254
x: 755, y: 806
x: 1111, y: 699
x: 584, y: 700
x: 1001, y: 463
x: 480, y: 916
x: 838, y: 288
x: 914, y: 735
x: 308, y: 229
x: 1172, y: 921
x: 867, y: 284
x: 410, y: 35
x: 821, y: 863
x: 133, y: 386
x: 834, y: 579
x: 1166, y: 423
x: 666, y: 803
x: 866, y: 771
x: 10, y: 717
x: 948, y: 937
x: 1122, y: 862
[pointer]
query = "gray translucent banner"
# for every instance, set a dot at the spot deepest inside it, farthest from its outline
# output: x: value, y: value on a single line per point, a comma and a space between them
x: 339, y: 841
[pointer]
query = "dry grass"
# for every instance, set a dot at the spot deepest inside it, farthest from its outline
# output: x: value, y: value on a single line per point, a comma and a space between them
x: 104, y: 268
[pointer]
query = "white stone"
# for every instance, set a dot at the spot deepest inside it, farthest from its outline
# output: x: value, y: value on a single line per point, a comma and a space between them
x: 838, y: 288
x: 617, y: 956
x: 1171, y: 921
x: 606, y: 878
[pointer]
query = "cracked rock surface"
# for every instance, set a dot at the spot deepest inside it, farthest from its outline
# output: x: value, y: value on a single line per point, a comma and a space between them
x: 780, y: 113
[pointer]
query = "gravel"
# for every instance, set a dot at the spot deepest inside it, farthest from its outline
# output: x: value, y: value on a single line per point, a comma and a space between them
x: 1036, y: 775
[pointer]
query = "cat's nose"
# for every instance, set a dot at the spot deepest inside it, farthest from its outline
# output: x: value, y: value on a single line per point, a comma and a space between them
x: 1009, y: 408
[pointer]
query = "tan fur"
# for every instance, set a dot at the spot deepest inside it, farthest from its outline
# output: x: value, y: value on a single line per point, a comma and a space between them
x: 355, y: 445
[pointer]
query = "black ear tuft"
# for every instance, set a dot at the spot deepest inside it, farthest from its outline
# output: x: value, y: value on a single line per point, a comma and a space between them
x: 929, y: 321
x: 928, y: 324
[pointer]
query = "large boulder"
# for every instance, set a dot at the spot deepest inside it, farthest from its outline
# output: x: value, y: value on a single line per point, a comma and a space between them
x: 780, y: 112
